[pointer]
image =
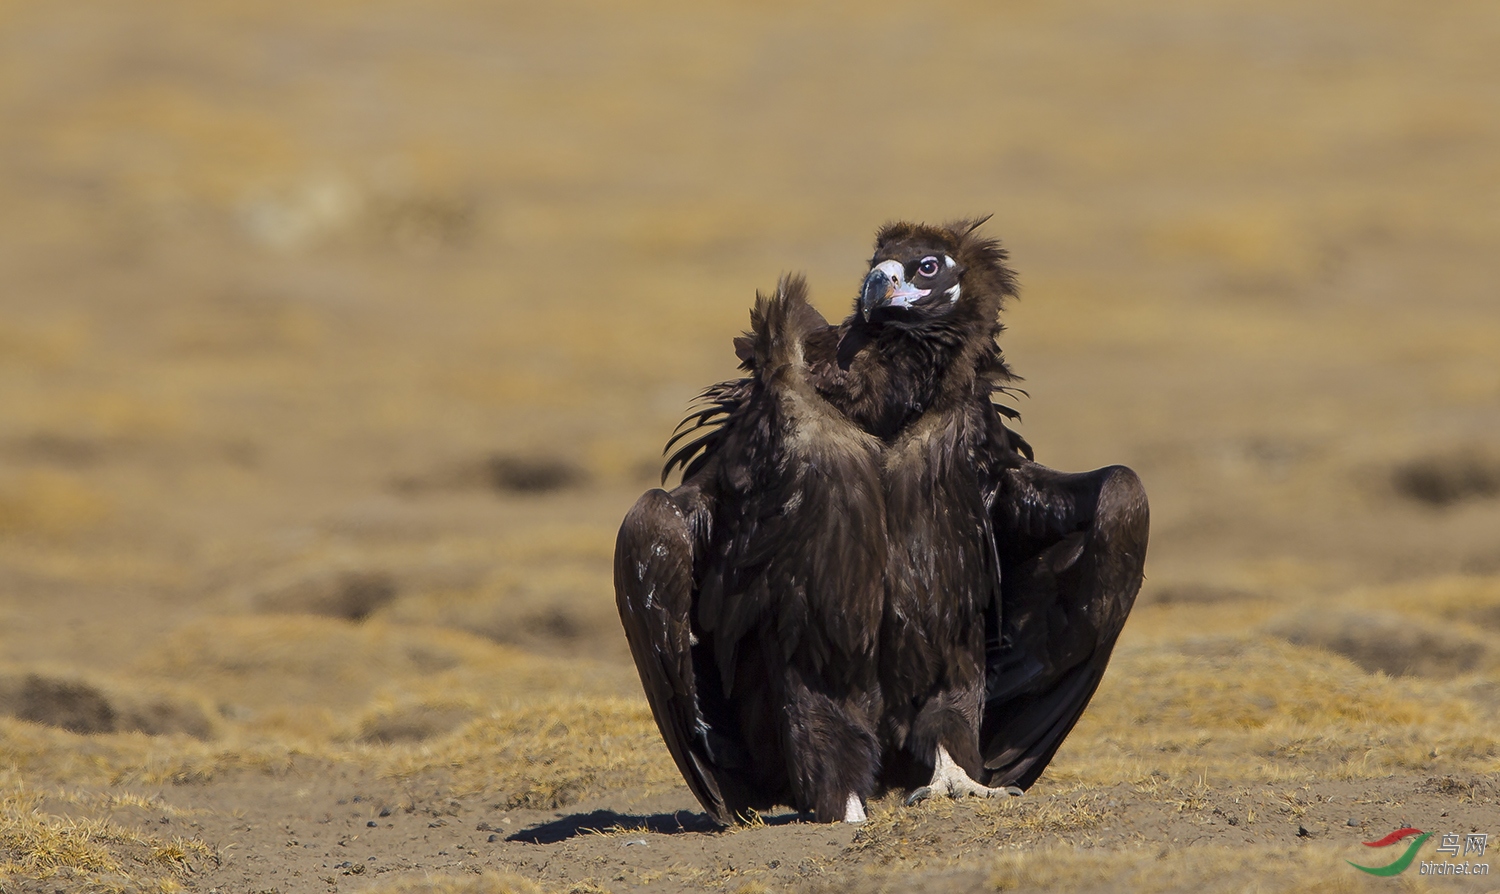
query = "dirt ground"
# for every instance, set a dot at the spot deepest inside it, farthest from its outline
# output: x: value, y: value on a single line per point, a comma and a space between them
x: 336, y: 339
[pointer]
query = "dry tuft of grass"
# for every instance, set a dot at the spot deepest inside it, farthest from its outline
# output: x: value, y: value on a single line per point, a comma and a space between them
x: 1312, y: 869
x: 1259, y: 709
x: 1471, y: 600
x: 42, y: 848
x: 549, y: 753
x: 1392, y: 643
x: 89, y: 853
x: 82, y: 705
x: 486, y: 882
x: 1440, y: 480
x: 1439, y: 628
x: 388, y: 722
x: 297, y: 673
x: 545, y: 751
x: 926, y: 835
x: 1241, y: 683
x: 557, y: 607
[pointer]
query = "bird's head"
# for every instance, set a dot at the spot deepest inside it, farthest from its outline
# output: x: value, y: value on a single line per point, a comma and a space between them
x: 922, y: 273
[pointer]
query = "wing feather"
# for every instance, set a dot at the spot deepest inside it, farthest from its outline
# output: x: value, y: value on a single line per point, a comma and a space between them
x: 654, y: 591
x: 723, y: 592
x: 1072, y: 550
x: 713, y: 407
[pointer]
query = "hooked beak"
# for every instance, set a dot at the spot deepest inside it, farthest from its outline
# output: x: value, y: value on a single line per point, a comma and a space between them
x: 886, y: 286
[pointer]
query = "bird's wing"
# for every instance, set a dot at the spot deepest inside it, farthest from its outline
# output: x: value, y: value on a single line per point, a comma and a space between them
x: 654, y: 558
x: 699, y: 571
x: 1072, y: 548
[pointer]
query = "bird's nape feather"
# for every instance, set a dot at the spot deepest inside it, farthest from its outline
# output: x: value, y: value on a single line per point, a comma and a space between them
x: 711, y: 409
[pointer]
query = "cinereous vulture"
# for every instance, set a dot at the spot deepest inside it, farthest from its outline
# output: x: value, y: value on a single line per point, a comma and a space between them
x: 864, y: 580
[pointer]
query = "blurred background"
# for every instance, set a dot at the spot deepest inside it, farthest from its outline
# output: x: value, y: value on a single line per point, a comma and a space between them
x: 384, y: 310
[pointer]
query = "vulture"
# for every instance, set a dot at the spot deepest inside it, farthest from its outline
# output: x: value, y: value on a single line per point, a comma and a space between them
x: 864, y: 580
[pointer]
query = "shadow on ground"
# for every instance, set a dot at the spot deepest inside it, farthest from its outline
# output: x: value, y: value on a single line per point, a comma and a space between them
x: 599, y: 821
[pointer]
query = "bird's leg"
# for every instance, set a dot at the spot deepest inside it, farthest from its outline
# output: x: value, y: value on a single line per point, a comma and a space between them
x: 854, y: 812
x: 948, y: 778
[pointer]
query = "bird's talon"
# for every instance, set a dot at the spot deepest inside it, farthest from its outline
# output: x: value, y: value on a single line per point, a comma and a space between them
x: 948, y: 778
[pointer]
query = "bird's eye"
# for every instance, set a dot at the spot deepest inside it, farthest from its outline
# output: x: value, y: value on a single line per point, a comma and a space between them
x: 928, y: 267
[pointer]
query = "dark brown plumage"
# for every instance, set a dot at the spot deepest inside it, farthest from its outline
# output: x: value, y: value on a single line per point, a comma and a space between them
x: 1007, y: 583
x: 941, y: 605
x: 751, y: 594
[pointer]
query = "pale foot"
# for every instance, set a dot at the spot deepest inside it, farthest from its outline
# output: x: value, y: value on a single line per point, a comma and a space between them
x: 948, y: 778
x: 854, y: 812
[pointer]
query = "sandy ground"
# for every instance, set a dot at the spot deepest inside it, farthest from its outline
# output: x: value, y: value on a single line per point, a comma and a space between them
x: 335, y: 340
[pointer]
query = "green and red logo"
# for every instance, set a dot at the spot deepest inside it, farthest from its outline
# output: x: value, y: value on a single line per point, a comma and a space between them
x: 1402, y: 862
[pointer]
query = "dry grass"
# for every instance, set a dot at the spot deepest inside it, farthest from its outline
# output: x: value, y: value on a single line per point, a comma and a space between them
x: 543, y: 749
x: 1260, y: 710
x: 1152, y: 870
x: 1227, y: 723
x: 482, y: 883
x: 89, y: 854
x: 549, y: 753
x: 335, y: 340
